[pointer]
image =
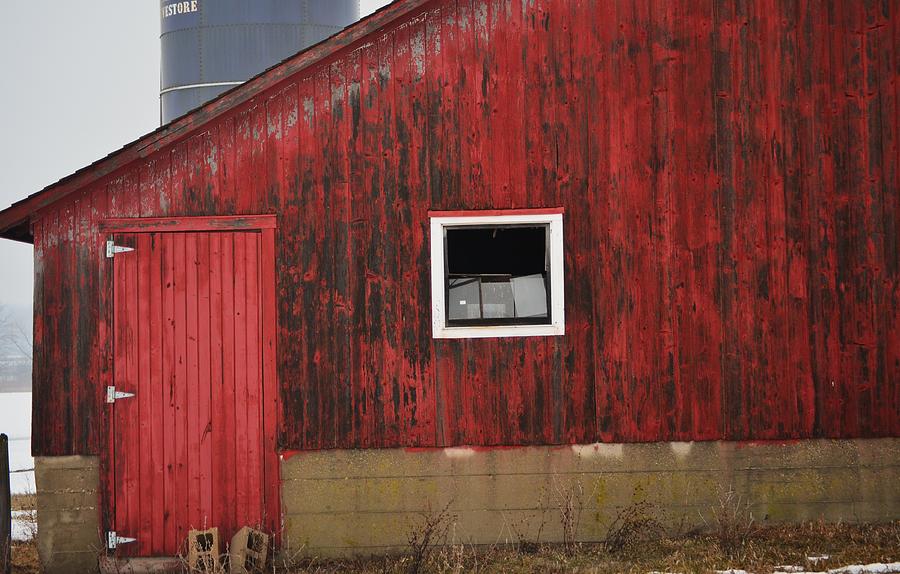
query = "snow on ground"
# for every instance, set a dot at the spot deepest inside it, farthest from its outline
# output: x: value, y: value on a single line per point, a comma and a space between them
x: 15, y: 422
x: 874, y: 568
x: 23, y: 526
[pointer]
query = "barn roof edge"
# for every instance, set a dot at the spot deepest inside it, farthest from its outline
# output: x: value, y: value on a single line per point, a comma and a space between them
x: 15, y: 219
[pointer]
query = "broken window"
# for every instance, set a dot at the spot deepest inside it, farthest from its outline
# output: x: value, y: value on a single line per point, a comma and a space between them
x: 497, y: 275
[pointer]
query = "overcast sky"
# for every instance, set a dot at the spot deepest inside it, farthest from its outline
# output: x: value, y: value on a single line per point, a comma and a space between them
x: 80, y: 79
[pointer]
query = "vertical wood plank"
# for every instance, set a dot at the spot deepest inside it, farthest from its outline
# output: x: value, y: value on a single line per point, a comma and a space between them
x: 369, y: 257
x: 338, y: 196
x: 219, y: 357
x: 240, y: 380
x: 181, y: 486
x: 156, y: 390
x: 120, y: 364
x: 245, y: 187
x: 306, y: 304
x: 207, y: 486
x: 271, y: 479
x: 388, y: 390
x: 168, y: 256
x: 191, y: 409
x: 252, y: 435
x: 288, y: 253
x: 357, y: 247
x: 143, y: 389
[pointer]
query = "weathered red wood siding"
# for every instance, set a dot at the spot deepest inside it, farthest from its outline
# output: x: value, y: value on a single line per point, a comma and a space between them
x: 729, y: 173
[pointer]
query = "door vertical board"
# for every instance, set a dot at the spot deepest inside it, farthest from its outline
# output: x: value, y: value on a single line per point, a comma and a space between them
x: 220, y: 503
x: 182, y: 489
x: 168, y: 387
x: 271, y: 474
x: 120, y: 348
x: 130, y: 433
x: 229, y: 439
x: 144, y: 397
x: 204, y: 316
x: 240, y: 372
x: 252, y: 434
x: 192, y: 379
x: 156, y: 388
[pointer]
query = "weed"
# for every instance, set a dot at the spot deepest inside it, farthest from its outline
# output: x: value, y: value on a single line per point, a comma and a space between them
x: 772, y: 545
x: 206, y: 565
x: 734, y: 525
x: 455, y: 557
x: 521, y: 530
x: 422, y: 538
x: 525, y: 532
x: 570, y: 503
x: 633, y: 525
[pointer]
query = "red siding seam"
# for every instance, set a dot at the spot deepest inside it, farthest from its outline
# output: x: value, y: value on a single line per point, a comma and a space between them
x: 187, y: 224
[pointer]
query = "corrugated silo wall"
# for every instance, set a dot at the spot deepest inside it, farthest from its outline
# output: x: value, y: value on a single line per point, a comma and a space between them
x: 209, y: 46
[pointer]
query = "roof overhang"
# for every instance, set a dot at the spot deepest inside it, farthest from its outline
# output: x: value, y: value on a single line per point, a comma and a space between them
x: 15, y: 220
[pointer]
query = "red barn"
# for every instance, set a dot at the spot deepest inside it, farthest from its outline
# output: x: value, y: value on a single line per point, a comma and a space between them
x: 484, y: 253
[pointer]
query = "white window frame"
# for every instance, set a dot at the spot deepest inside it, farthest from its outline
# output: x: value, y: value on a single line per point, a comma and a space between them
x: 440, y: 329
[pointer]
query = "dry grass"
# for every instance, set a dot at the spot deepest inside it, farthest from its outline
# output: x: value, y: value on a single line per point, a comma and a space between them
x: 766, y: 548
x: 732, y: 522
x: 635, y: 525
x: 25, y: 558
x: 23, y: 502
x: 24, y: 554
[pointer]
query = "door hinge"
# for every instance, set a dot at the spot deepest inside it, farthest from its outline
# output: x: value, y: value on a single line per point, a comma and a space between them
x: 112, y: 248
x: 113, y: 540
x: 112, y: 395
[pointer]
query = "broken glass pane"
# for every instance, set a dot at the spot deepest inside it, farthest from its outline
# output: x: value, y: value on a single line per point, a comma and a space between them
x: 497, y: 298
x: 530, y: 294
x: 464, y: 298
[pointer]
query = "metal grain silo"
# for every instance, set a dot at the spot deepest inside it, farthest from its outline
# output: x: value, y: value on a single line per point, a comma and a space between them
x: 210, y: 46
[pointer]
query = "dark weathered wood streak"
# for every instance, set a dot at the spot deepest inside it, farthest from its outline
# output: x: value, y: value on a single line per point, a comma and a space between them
x: 729, y: 174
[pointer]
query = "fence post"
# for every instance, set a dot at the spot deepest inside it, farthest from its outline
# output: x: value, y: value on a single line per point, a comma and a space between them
x: 5, y: 509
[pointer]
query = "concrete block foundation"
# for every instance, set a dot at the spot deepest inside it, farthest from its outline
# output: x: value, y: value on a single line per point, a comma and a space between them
x: 68, y: 517
x: 361, y: 502
x: 337, y: 503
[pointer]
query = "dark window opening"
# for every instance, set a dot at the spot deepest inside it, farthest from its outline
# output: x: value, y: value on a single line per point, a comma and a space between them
x: 497, y: 275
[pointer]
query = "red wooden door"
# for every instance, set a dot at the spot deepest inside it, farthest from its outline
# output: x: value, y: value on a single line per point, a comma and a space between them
x: 193, y: 322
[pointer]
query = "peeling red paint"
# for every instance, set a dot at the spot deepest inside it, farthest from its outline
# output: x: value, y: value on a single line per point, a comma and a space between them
x: 757, y: 443
x: 729, y: 177
x: 289, y: 454
x: 472, y: 448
